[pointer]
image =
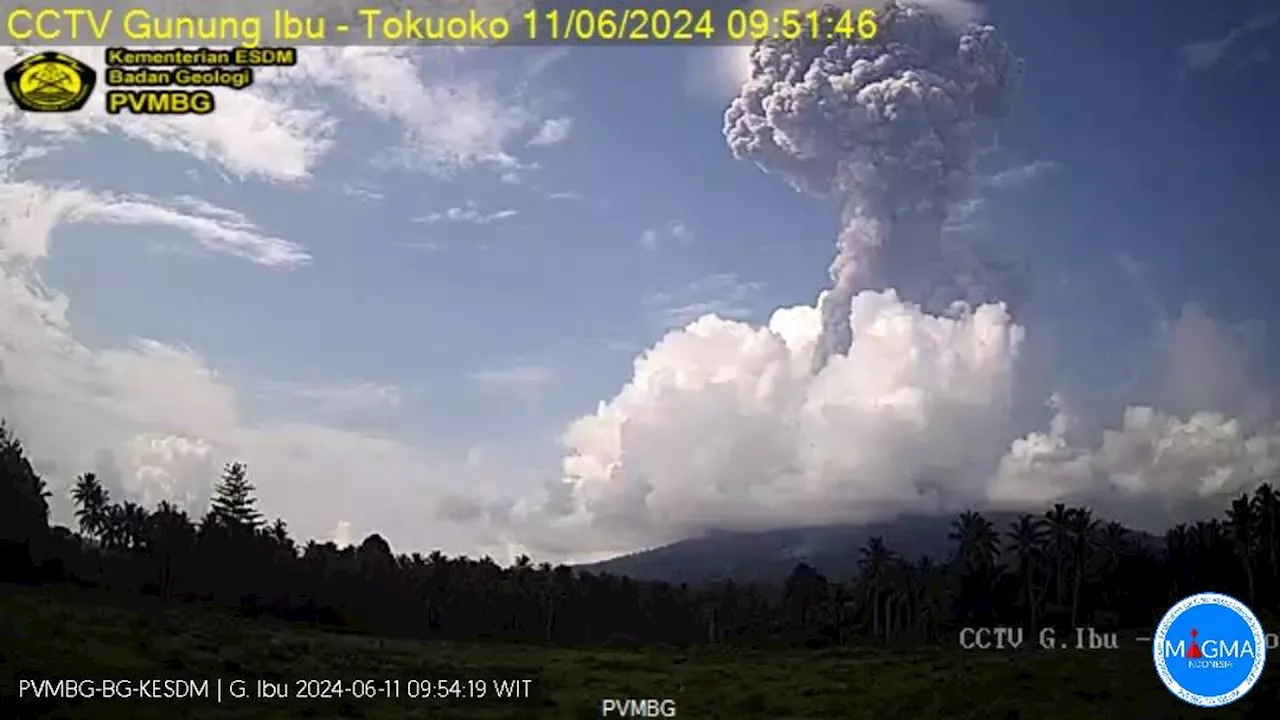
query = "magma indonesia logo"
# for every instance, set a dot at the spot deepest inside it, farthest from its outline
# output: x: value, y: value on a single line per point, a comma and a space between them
x: 1209, y: 650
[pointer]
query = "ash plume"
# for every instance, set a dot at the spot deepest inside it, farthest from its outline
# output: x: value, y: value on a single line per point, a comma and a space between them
x: 726, y: 425
x: 889, y: 129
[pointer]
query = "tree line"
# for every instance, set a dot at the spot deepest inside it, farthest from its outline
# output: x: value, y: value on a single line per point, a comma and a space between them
x: 1063, y: 567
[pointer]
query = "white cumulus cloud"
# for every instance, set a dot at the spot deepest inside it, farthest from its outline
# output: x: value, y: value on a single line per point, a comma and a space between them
x: 724, y: 426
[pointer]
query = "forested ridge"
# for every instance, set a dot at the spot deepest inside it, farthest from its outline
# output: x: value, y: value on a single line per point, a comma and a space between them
x: 1062, y: 567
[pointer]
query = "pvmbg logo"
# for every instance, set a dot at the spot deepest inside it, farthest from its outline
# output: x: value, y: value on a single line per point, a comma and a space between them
x: 1209, y: 649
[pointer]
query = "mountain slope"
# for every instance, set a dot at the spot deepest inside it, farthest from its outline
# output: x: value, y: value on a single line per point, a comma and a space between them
x: 769, y: 556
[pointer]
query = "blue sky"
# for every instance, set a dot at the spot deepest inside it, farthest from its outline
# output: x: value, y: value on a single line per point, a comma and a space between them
x: 459, y: 284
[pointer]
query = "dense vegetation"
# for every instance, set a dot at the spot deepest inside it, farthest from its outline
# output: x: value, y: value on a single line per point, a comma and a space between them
x: 1064, y: 568
x: 1060, y: 568
x: 63, y: 633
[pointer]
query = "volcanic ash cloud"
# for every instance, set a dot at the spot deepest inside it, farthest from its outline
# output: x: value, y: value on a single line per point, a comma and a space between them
x: 731, y: 426
x: 889, y: 129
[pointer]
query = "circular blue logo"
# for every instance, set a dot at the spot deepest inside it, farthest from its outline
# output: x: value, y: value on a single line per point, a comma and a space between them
x: 1209, y: 649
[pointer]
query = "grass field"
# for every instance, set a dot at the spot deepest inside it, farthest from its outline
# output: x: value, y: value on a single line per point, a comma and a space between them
x: 57, y: 634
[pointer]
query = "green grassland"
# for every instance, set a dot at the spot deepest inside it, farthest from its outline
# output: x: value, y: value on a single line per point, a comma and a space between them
x: 60, y: 634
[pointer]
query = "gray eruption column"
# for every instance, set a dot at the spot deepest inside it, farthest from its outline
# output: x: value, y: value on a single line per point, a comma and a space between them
x: 889, y: 129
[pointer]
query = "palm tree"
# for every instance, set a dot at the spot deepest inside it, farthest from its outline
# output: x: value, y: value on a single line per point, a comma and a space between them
x: 1084, y: 534
x: 1113, y: 540
x: 1206, y: 543
x: 896, y: 586
x: 170, y: 537
x: 92, y: 500
x: 134, y: 519
x: 558, y: 583
x: 1026, y: 538
x: 1244, y: 536
x: 979, y: 543
x: 1266, y: 505
x: 933, y: 597
x: 114, y: 534
x: 977, y: 552
x: 874, y: 564
x: 1058, y: 523
x: 1177, y: 558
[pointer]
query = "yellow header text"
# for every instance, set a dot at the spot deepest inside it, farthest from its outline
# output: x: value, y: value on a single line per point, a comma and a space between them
x: 85, y: 25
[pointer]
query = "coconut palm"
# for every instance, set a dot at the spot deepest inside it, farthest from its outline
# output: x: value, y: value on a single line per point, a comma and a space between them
x: 1057, y: 520
x: 979, y: 543
x: 874, y: 565
x: 1266, y: 506
x: 1177, y: 558
x: 91, y: 500
x: 977, y: 553
x: 1026, y: 541
x: 1083, y: 530
x: 1243, y: 526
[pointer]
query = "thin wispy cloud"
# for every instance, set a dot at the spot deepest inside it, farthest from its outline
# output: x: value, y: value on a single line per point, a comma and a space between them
x: 430, y: 246
x: 546, y: 61
x: 519, y: 375
x: 1206, y: 54
x: 367, y: 192
x: 649, y: 239
x: 1022, y: 174
x: 723, y: 294
x: 350, y: 396
x: 215, y: 228
x: 449, y: 122
x: 1137, y: 274
x: 553, y: 131
x: 468, y: 213
x: 654, y: 238
x: 964, y: 215
x: 622, y: 346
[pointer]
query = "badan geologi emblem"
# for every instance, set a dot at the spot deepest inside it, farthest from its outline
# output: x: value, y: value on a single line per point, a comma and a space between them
x: 50, y: 82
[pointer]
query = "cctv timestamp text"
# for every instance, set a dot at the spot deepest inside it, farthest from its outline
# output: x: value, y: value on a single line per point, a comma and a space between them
x: 668, y: 25
x: 397, y: 689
